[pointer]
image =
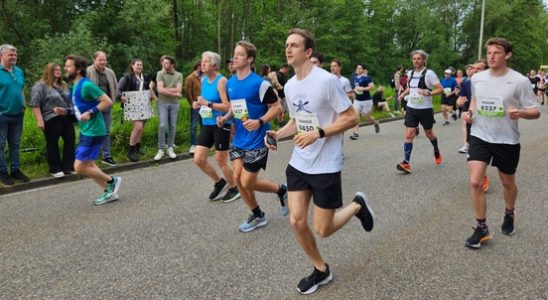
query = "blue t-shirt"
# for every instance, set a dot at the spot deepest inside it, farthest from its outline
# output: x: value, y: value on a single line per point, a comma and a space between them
x: 11, y: 91
x: 450, y: 82
x: 466, y: 91
x: 363, y: 81
x: 256, y: 94
x: 210, y: 93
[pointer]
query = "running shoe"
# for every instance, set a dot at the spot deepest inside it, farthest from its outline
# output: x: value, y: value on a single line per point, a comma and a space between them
x: 366, y: 213
x: 114, y: 186
x: 282, y: 195
x: 446, y: 123
x: 354, y: 136
x: 479, y: 236
x: 485, y: 184
x: 253, y: 223
x: 454, y: 116
x: 106, y: 197
x: 310, y: 284
x: 232, y: 194
x: 464, y: 149
x: 218, y: 187
x: 437, y: 157
x: 377, y: 128
x: 109, y: 161
x: 404, y: 167
x: 192, y: 149
x: 18, y: 175
x: 507, y: 226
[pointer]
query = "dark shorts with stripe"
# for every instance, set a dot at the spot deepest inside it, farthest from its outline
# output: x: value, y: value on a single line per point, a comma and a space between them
x: 254, y: 160
x: 213, y: 135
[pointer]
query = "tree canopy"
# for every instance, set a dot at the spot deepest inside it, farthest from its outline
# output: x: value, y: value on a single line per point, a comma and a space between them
x: 377, y: 33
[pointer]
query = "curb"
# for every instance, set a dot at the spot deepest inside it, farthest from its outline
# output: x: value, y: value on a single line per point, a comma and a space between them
x: 127, y: 166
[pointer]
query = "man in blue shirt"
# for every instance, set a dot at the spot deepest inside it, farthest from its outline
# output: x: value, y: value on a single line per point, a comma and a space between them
x: 254, y: 104
x: 449, y: 95
x: 363, y: 103
x: 12, y: 108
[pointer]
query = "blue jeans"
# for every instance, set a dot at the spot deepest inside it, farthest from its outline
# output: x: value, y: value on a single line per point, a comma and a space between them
x: 195, y: 121
x: 11, y: 129
x: 107, y: 116
x: 168, y: 113
x: 396, y: 101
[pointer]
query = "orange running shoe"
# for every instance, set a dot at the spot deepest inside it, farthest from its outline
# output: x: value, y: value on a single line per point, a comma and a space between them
x: 437, y: 157
x: 485, y: 184
x: 404, y: 167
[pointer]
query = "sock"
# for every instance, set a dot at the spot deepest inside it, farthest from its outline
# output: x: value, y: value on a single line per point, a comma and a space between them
x: 481, y: 223
x: 407, y: 148
x: 435, y: 144
x: 257, y: 212
x: 509, y: 211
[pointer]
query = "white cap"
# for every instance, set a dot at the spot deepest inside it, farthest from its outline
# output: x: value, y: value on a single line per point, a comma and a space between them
x: 448, y: 71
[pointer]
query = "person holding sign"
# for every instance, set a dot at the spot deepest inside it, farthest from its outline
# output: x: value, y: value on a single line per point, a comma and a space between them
x: 319, y: 117
x: 212, y: 103
x: 423, y: 84
x: 500, y: 97
x: 254, y: 104
x: 134, y: 92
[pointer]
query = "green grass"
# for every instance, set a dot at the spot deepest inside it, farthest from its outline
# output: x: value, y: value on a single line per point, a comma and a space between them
x: 33, y: 145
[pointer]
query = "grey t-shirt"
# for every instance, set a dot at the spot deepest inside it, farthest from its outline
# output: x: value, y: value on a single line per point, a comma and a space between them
x: 494, y: 95
x: 48, y: 98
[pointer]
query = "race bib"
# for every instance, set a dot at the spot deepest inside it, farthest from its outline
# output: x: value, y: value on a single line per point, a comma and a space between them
x: 239, y: 109
x: 306, y: 122
x: 490, y: 106
x: 206, y: 112
x: 447, y: 91
x: 416, y: 98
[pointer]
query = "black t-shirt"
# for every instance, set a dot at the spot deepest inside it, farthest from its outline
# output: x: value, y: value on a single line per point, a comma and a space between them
x: 282, y: 79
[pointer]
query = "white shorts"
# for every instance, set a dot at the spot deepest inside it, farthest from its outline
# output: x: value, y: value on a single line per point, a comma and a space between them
x: 363, y: 107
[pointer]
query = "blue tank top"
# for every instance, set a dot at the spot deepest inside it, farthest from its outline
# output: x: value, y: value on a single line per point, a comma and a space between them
x: 210, y: 93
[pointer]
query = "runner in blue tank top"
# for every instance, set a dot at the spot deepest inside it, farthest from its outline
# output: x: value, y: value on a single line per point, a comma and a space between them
x: 254, y: 105
x: 213, y: 103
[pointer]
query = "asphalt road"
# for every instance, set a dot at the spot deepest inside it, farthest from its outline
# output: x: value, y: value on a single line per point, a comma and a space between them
x: 165, y: 240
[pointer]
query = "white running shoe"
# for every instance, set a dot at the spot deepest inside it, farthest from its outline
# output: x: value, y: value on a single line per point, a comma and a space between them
x: 171, y: 153
x: 159, y: 155
x: 192, y: 149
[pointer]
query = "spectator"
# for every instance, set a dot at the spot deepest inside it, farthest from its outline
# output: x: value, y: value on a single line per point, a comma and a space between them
x: 12, y: 109
x: 105, y: 79
x: 380, y: 102
x: 54, y: 114
x: 281, y: 76
x: 139, y: 111
x: 193, y: 86
x: 396, y: 85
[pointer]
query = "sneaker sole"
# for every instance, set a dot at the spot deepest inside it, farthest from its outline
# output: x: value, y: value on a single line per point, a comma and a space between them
x: 218, y: 197
x: 317, y: 285
x: 509, y: 233
x: 371, y: 212
x: 107, y: 201
x: 109, y: 164
x: 400, y: 168
x: 259, y: 225
x: 236, y: 197
x: 478, y: 245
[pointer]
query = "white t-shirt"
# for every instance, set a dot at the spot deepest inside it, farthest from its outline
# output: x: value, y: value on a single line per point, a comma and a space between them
x: 345, y: 83
x: 415, y: 100
x: 317, y: 100
x: 493, y: 97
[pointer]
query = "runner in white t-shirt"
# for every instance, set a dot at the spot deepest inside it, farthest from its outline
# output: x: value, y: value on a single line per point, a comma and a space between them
x: 423, y: 84
x: 320, y: 112
x: 500, y: 97
x: 336, y: 69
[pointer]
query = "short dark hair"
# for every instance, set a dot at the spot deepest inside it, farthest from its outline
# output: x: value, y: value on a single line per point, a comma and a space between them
x: 285, y: 65
x: 80, y: 63
x: 170, y: 58
x: 197, y: 65
x: 338, y: 62
x: 502, y: 42
x: 309, y: 42
x: 362, y: 65
x: 250, y: 49
x: 319, y: 56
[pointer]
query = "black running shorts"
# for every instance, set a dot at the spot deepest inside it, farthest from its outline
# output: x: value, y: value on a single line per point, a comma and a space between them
x: 503, y: 156
x: 415, y: 116
x: 326, y: 188
x: 212, y: 135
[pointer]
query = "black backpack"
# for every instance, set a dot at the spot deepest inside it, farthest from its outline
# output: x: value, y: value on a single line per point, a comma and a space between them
x: 422, y: 80
x: 392, y: 83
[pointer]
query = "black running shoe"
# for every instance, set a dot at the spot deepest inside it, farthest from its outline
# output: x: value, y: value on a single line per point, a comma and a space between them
x: 365, y: 214
x: 310, y: 284
x: 377, y: 128
x: 217, y: 189
x: 507, y: 226
x: 109, y: 161
x: 479, y: 236
x: 6, y: 179
x: 17, y: 174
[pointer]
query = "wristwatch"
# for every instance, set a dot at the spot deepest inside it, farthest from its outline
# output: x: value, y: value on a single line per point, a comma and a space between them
x: 321, y: 132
